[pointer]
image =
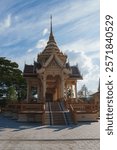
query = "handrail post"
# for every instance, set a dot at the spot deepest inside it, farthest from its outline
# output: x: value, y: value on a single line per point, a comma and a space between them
x: 43, y: 114
x: 73, y: 114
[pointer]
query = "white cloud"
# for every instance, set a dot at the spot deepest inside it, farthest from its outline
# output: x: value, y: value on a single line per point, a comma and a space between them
x: 64, y: 14
x: 81, y: 45
x: 76, y: 9
x: 45, y: 31
x: 85, y: 62
x: 41, y: 43
x: 89, y: 70
x: 6, y: 23
x: 29, y: 50
x: 91, y: 79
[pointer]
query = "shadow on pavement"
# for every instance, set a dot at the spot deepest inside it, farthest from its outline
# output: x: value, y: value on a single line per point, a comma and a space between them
x: 7, y: 122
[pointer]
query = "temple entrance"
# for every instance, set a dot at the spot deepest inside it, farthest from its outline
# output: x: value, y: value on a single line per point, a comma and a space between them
x: 49, y: 97
x: 53, y: 88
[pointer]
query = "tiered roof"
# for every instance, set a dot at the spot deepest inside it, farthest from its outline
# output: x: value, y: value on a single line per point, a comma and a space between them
x: 50, y: 50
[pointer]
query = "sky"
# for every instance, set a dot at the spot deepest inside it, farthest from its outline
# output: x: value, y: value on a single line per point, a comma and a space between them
x: 25, y: 28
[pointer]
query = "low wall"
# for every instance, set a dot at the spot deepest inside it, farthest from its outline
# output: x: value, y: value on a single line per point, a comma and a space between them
x: 28, y: 117
x: 86, y: 117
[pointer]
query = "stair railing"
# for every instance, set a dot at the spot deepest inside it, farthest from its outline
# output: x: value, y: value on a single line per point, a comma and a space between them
x: 73, y: 114
x: 43, y: 114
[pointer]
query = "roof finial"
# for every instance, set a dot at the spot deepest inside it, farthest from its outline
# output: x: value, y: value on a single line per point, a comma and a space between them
x: 51, y: 24
x: 51, y: 37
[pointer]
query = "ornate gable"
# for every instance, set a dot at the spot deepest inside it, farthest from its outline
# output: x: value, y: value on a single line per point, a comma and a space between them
x: 53, y: 68
x: 53, y: 64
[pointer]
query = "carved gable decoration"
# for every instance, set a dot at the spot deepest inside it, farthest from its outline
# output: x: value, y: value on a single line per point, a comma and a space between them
x: 53, y: 64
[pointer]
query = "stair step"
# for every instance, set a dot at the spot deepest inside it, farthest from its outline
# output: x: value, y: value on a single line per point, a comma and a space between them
x: 56, y: 114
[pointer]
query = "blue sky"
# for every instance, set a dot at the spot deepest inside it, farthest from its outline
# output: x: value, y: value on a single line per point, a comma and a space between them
x: 25, y: 25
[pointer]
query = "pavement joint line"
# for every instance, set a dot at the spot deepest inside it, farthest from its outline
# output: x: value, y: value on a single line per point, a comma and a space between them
x: 44, y: 140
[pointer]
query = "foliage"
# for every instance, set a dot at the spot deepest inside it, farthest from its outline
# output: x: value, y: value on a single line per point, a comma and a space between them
x: 3, y: 102
x: 11, y: 76
x: 69, y: 93
x: 12, y: 94
x: 9, y: 72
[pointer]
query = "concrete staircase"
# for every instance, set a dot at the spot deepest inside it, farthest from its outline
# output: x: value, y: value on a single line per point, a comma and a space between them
x: 47, y: 119
x: 47, y: 114
x: 57, y: 114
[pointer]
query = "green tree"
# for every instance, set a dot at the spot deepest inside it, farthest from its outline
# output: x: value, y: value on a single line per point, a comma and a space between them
x: 9, y: 72
x: 10, y: 75
x: 70, y: 93
x: 12, y: 94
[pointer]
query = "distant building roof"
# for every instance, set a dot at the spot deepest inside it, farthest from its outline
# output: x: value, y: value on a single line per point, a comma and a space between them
x: 29, y: 71
x: 75, y: 72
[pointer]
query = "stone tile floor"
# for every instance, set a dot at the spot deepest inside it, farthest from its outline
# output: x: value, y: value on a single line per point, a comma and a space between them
x: 31, y: 136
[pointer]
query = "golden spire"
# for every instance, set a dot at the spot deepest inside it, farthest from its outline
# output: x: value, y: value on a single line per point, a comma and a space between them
x: 51, y: 24
x: 51, y: 37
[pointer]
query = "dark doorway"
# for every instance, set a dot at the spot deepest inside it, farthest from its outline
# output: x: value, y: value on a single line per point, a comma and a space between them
x: 49, y: 97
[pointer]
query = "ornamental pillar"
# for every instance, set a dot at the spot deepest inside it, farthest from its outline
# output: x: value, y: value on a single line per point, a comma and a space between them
x: 62, y: 87
x: 44, y: 88
x: 28, y: 91
x: 76, y: 89
x: 38, y: 93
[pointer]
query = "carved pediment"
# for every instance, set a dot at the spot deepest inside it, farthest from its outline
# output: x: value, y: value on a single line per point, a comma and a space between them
x: 53, y: 64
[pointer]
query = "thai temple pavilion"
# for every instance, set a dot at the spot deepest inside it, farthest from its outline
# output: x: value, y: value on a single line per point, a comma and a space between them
x: 51, y: 75
x: 54, y: 83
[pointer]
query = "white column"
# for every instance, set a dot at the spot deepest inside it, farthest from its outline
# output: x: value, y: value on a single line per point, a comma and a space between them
x: 62, y: 87
x: 76, y: 89
x: 66, y: 89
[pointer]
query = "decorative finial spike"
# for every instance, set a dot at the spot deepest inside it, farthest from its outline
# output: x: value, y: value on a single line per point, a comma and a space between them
x: 51, y: 24
x: 51, y: 36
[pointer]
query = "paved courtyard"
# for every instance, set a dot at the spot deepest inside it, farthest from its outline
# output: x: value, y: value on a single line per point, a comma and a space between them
x: 32, y: 136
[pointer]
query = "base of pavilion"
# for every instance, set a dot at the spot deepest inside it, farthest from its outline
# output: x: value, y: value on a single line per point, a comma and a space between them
x: 52, y: 113
x: 84, y: 116
x: 30, y: 117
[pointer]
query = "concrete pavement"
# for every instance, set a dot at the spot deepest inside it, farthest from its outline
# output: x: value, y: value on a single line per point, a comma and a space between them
x: 31, y: 136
